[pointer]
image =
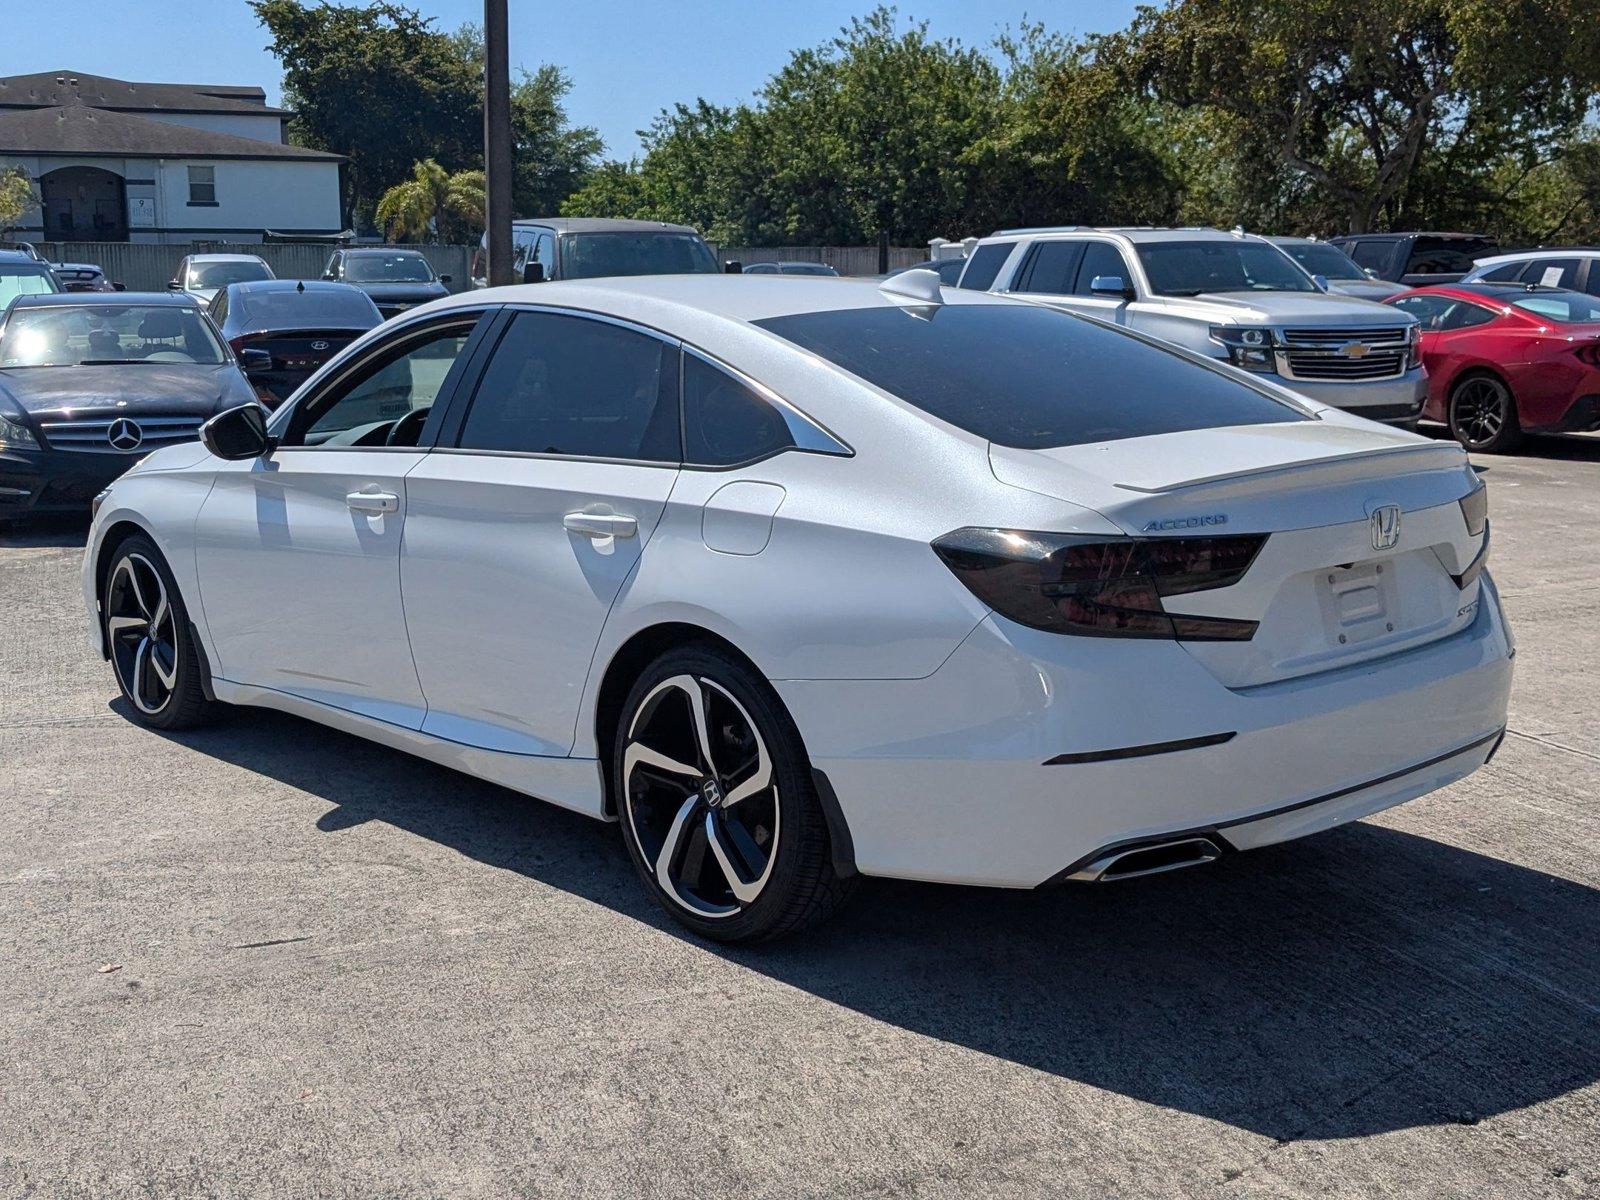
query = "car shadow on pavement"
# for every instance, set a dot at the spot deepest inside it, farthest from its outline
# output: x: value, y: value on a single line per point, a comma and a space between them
x: 45, y: 532
x: 1360, y: 981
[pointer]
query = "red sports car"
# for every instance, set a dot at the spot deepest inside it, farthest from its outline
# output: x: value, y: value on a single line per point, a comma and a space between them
x: 1506, y: 359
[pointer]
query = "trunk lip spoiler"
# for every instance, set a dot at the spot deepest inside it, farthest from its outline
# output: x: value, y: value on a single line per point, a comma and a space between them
x: 1347, y: 456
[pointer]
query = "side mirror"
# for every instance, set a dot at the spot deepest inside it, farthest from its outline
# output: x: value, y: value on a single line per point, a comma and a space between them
x: 444, y: 279
x: 119, y: 287
x: 255, y: 362
x: 533, y: 272
x: 237, y: 434
x: 1321, y: 281
x: 174, y: 285
x: 1371, y: 274
x: 1110, y: 285
x: 733, y: 267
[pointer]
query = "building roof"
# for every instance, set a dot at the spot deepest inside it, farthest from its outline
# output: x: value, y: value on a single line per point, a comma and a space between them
x: 83, y: 132
x: 50, y: 89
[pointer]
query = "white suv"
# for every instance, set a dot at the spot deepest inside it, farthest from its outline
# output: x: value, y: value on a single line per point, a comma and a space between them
x: 1231, y: 296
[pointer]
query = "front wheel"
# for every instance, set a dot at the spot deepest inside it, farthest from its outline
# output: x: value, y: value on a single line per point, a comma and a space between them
x: 717, y: 804
x: 1483, y: 415
x: 151, y: 643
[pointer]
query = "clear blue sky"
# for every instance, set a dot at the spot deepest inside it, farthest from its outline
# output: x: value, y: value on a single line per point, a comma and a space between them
x: 627, y: 58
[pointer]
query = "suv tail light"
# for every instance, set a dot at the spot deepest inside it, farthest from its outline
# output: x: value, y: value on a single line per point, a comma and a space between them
x: 1064, y: 583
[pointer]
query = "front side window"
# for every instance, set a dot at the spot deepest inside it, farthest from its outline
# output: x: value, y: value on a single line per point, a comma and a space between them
x: 387, y: 268
x: 71, y: 335
x: 725, y: 422
x: 1051, y: 268
x: 984, y: 265
x: 1428, y: 310
x: 1028, y: 376
x: 1101, y: 260
x: 14, y: 283
x: 202, y: 185
x: 593, y: 255
x: 1504, y: 273
x: 574, y: 386
x: 1191, y: 268
x: 387, y: 399
x: 1467, y: 316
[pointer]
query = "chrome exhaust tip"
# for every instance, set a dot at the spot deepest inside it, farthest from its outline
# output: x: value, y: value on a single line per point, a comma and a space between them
x: 1149, y: 859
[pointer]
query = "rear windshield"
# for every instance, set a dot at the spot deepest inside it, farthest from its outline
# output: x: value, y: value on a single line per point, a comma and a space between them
x: 388, y: 268
x: 314, y: 308
x: 221, y: 274
x: 1026, y: 376
x: 590, y: 255
x: 1565, y: 307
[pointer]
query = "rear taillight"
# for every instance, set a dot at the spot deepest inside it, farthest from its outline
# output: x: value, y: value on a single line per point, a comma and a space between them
x: 1475, y: 508
x: 1097, y: 587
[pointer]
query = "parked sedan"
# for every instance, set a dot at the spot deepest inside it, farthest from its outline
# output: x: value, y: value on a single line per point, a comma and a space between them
x: 817, y: 270
x: 294, y: 327
x: 89, y: 384
x: 1576, y: 267
x: 202, y: 275
x: 1506, y: 359
x: 84, y: 277
x: 663, y: 550
x: 396, y: 280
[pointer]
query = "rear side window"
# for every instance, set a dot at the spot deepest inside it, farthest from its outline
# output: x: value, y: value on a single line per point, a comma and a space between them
x: 725, y: 422
x: 984, y: 265
x: 1027, y: 376
x: 578, y: 387
x: 1504, y: 273
x: 1051, y: 268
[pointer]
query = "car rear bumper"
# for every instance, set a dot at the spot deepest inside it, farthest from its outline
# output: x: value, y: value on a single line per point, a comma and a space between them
x: 1028, y: 754
x: 40, y: 482
x: 1394, y: 401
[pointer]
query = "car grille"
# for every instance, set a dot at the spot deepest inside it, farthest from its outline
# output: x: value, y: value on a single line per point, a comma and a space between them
x: 94, y: 436
x: 1344, y: 355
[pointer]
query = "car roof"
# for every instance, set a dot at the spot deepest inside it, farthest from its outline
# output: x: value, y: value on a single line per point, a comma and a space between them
x: 1530, y: 255
x: 1485, y: 290
x: 603, y: 225
x: 1418, y: 233
x: 140, y: 299
x: 19, y: 256
x: 1138, y: 234
x: 255, y: 258
x: 253, y: 286
x: 384, y: 250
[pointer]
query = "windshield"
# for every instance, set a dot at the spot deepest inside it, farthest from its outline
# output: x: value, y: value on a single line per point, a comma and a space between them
x: 221, y: 274
x: 70, y: 335
x: 1322, y: 259
x: 1026, y: 376
x: 588, y: 255
x: 1569, y: 308
x: 24, y: 282
x: 388, y: 268
x: 1190, y: 268
x: 331, y: 307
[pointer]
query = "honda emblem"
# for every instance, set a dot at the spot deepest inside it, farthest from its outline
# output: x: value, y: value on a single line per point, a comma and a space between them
x: 1385, y: 527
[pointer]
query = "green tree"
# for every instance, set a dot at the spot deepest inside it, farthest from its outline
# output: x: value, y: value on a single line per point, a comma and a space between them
x: 17, y: 197
x: 433, y: 201
x: 1352, y: 96
x: 379, y: 84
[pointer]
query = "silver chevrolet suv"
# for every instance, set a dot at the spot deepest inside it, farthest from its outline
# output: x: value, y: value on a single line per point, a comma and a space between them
x: 1233, y: 296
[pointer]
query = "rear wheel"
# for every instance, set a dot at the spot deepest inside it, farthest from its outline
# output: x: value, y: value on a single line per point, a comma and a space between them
x: 148, y: 634
x: 718, y: 807
x: 1483, y: 415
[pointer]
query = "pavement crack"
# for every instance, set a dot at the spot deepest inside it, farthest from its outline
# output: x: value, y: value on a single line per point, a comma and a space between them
x: 273, y: 942
x: 1533, y: 737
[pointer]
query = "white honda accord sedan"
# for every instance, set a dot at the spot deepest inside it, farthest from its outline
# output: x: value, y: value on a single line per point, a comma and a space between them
x: 797, y: 583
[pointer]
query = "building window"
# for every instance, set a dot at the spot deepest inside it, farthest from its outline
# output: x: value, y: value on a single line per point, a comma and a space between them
x: 203, y: 186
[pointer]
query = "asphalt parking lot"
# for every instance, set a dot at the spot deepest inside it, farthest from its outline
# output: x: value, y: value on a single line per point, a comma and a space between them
x: 341, y: 971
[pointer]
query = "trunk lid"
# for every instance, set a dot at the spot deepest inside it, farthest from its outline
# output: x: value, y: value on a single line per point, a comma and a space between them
x: 1365, y: 533
x: 295, y: 355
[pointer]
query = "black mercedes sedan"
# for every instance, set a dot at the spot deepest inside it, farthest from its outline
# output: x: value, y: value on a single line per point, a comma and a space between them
x: 89, y: 382
x: 395, y: 279
x: 297, y: 325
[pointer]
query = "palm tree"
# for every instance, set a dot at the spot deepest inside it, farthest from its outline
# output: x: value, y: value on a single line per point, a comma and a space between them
x: 451, y: 207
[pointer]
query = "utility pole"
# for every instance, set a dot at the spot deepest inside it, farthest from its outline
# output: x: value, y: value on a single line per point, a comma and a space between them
x: 497, y: 140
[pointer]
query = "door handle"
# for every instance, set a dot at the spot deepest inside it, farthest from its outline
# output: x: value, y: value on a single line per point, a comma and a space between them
x: 600, y: 525
x: 373, y: 502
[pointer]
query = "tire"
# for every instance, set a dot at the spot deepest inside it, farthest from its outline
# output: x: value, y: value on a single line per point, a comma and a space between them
x: 738, y: 853
x: 1482, y: 414
x: 146, y: 627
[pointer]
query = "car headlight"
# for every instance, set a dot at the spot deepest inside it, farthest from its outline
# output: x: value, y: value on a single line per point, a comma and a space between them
x: 1248, y: 346
x: 13, y: 434
x: 1414, y: 344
